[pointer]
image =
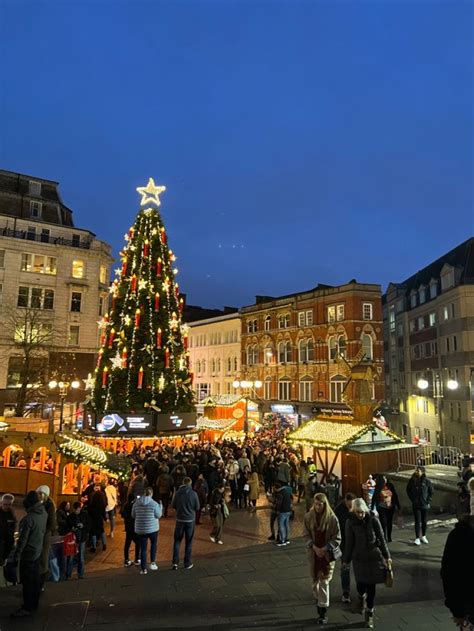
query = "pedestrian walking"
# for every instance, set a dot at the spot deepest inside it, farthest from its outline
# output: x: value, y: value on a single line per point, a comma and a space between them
x: 96, y: 508
x: 130, y: 534
x: 202, y: 489
x: 217, y: 513
x: 342, y: 513
x: 233, y: 471
x: 186, y: 504
x: 303, y: 475
x: 420, y: 492
x: 456, y: 573
x: 385, y: 502
x: 164, y: 486
x: 146, y: 513
x: 283, y: 497
x: 51, y: 529
x: 254, y: 488
x: 28, y: 552
x: 273, y: 516
x: 7, y: 527
x: 78, y: 522
x: 323, y: 536
x: 110, y: 509
x: 366, y: 548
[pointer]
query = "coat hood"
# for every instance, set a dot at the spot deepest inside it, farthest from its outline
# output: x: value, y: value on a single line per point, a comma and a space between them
x: 37, y: 508
x: 144, y: 499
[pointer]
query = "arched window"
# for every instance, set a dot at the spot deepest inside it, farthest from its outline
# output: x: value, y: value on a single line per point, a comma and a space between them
x: 268, y: 355
x: 338, y: 383
x: 252, y: 355
x: 332, y: 346
x: 235, y: 364
x: 284, y: 389
x: 367, y: 346
x: 198, y: 367
x: 310, y: 350
x: 342, y: 346
x: 303, y: 351
x: 229, y: 364
x: 267, y: 323
x: 13, y: 457
x: 203, y: 365
x: 284, y: 352
x: 218, y: 365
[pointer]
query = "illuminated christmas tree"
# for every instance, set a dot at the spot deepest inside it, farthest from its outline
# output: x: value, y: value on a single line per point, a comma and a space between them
x: 143, y: 359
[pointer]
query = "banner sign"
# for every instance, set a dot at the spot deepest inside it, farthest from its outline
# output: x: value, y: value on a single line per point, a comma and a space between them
x: 121, y: 423
x: 280, y: 408
x: 175, y: 421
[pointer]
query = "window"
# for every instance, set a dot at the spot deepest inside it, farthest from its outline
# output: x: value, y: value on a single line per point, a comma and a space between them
x: 284, y: 390
x: 367, y: 346
x: 301, y: 318
x: 310, y: 350
x: 432, y: 318
x: 455, y: 343
x: 35, y: 209
x: 413, y: 300
x: 76, y: 300
x: 78, y: 268
x: 422, y: 295
x: 400, y: 329
x: 306, y: 390
x: 309, y: 318
x: 342, y: 345
x: 412, y: 326
x: 44, y: 237
x: 340, y: 312
x: 2, y: 259
x: 337, y: 387
x: 252, y: 355
x: 76, y: 241
x: 267, y: 323
x: 267, y: 389
x: 268, y: 355
x: 31, y: 233
x: 38, y: 263
x: 34, y: 188
x: 391, y: 318
x: 284, y: 321
x: 332, y: 345
x: 284, y: 352
x: 73, y: 335
x: 235, y: 364
x: 367, y: 311
x: 103, y: 302
x: 331, y: 314
x: 421, y: 323
x: 433, y: 289
x: 103, y: 274
x: 35, y: 297
x: 23, y: 296
x: 48, y: 299
x: 447, y: 279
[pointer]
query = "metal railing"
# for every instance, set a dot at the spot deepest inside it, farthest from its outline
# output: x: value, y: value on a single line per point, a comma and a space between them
x: 429, y: 455
x: 45, y: 238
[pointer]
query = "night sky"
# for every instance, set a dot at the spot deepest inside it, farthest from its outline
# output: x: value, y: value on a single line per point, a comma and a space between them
x: 300, y: 142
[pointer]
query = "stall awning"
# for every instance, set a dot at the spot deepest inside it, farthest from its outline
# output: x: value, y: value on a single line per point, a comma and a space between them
x: 221, y: 399
x: 218, y: 425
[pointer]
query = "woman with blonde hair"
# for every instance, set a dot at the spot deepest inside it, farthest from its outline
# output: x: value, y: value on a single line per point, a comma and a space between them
x: 323, y: 537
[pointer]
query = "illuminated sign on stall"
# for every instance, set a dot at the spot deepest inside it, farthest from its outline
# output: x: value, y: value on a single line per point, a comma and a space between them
x: 280, y: 408
x: 126, y: 423
x: 175, y: 421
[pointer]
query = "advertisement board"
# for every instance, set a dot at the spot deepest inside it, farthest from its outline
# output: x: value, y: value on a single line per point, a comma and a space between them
x: 176, y: 421
x: 126, y: 423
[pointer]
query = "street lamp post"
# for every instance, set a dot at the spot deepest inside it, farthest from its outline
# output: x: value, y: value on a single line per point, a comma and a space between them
x: 63, y: 387
x: 251, y: 386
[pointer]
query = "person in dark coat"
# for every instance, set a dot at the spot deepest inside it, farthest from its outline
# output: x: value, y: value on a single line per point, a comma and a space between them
x: 151, y: 470
x: 420, y: 492
x: 78, y: 522
x: 456, y: 572
x: 164, y: 485
x: 28, y: 551
x: 202, y: 490
x: 7, y: 527
x: 366, y: 548
x: 51, y: 529
x: 61, y: 517
x: 342, y: 513
x: 385, y: 501
x: 130, y: 536
x: 96, y: 508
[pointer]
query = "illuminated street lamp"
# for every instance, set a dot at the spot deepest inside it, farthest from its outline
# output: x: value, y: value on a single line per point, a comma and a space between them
x: 452, y: 384
x: 247, y: 385
x: 63, y: 387
x: 422, y: 384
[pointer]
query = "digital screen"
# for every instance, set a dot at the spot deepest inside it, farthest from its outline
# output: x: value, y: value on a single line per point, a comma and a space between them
x: 176, y: 421
x: 121, y: 423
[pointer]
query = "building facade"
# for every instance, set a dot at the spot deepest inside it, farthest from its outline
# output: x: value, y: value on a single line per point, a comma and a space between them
x: 302, y: 346
x: 214, y: 353
x: 429, y: 350
x: 54, y: 286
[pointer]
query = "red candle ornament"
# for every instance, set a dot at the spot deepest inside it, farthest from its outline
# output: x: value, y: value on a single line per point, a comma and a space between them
x: 102, y: 339
x: 124, y: 266
x: 158, y: 338
x: 140, y: 378
x: 134, y: 283
x: 124, y: 357
x: 159, y: 267
x: 167, y: 357
x: 163, y: 235
x: 181, y: 306
x: 105, y: 377
x: 111, y: 337
x: 131, y: 231
x: 146, y: 248
x: 99, y: 356
x: 157, y: 301
x: 138, y: 314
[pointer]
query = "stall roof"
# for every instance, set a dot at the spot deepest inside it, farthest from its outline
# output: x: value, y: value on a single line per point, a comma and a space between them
x: 338, y: 435
x: 220, y: 425
x: 221, y: 399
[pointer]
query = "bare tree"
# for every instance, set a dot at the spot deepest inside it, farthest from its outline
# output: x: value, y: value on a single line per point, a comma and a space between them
x: 31, y: 332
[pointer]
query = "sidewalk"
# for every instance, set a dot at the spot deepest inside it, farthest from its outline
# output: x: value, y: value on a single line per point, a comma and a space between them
x: 246, y: 584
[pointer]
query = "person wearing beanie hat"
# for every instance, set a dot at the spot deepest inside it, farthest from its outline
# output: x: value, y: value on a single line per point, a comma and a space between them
x: 43, y: 492
x: 28, y: 551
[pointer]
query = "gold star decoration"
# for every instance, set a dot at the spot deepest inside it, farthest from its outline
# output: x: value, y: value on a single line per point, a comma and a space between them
x: 142, y: 284
x: 151, y: 193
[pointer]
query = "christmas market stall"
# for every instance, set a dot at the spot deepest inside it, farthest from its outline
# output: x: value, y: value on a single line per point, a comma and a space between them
x: 348, y: 449
x: 225, y: 414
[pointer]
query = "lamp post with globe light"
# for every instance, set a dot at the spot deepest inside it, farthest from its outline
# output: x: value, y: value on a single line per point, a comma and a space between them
x: 247, y: 386
x: 63, y: 387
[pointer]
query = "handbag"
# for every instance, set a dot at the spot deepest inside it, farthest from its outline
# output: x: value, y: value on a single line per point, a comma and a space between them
x: 335, y: 552
x: 225, y: 510
x: 70, y: 546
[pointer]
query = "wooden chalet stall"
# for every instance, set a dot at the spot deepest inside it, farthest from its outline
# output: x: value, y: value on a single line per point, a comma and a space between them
x: 349, y: 449
x: 225, y: 413
x: 61, y: 461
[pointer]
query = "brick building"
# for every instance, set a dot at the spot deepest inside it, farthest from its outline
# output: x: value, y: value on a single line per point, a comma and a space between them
x: 51, y: 268
x: 429, y: 340
x: 295, y: 344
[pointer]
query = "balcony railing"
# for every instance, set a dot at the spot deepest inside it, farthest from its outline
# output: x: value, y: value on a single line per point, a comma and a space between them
x: 26, y: 235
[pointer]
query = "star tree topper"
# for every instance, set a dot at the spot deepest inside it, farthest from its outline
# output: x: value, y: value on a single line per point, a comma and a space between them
x: 151, y: 193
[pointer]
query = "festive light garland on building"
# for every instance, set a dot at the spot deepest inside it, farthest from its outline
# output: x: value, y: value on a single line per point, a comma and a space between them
x: 115, y: 465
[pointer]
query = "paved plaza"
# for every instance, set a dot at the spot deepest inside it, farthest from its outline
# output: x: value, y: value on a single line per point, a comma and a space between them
x: 248, y: 583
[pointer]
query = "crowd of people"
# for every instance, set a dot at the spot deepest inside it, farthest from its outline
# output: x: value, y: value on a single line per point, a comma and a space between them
x: 197, y: 478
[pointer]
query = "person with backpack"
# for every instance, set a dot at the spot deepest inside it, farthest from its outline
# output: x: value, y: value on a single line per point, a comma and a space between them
x: 366, y: 548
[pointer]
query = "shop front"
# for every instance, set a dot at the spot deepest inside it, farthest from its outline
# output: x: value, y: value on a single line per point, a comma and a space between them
x: 281, y: 415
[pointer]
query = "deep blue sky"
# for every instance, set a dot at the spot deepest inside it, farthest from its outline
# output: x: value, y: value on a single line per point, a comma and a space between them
x: 330, y: 139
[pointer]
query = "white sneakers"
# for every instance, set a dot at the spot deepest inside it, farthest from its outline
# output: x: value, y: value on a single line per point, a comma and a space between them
x: 424, y: 539
x: 153, y: 566
x: 417, y: 542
